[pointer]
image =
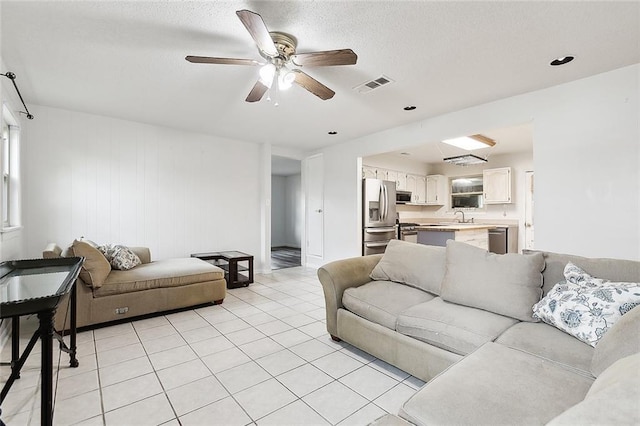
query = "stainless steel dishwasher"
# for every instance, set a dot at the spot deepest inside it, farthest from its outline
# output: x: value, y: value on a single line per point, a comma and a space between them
x: 498, y: 240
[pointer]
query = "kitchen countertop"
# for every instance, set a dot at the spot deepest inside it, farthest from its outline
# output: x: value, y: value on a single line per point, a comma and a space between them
x: 454, y: 227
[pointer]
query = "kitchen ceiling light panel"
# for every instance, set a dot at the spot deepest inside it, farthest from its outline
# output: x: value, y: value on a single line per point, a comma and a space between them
x: 465, y: 160
x: 470, y: 143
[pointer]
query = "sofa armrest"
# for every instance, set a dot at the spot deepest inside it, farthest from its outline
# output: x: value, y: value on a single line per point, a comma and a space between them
x: 84, y: 296
x: 143, y: 253
x: 340, y: 275
x: 51, y: 251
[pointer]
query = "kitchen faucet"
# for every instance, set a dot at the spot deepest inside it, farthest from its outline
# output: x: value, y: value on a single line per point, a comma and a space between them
x: 460, y: 211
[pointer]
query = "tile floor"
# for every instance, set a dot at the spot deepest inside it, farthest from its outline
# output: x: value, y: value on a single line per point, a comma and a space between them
x: 263, y: 357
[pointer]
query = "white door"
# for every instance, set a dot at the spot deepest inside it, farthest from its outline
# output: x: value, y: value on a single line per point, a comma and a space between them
x: 315, y: 207
x: 528, y: 211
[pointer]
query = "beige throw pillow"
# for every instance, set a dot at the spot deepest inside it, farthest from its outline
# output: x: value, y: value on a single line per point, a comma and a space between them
x: 95, y: 268
x: 415, y: 265
x: 506, y: 284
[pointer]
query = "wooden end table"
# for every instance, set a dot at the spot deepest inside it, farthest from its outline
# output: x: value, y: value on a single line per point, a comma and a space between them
x: 228, y: 261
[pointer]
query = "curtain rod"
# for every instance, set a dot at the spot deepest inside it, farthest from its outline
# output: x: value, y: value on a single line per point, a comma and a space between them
x: 11, y: 76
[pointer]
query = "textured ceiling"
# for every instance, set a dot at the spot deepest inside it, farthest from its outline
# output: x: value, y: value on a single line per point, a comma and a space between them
x: 126, y: 59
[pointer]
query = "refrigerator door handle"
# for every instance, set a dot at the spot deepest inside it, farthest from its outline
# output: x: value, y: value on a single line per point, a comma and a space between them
x: 386, y: 202
x: 382, y: 244
x: 383, y: 204
x: 380, y: 230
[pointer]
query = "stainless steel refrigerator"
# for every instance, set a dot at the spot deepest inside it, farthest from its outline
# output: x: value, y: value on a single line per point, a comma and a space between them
x: 379, y: 208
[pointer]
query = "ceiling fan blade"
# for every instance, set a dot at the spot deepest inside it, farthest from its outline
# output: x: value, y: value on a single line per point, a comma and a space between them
x: 258, y: 30
x: 223, y: 61
x: 313, y: 85
x: 326, y: 58
x: 257, y: 92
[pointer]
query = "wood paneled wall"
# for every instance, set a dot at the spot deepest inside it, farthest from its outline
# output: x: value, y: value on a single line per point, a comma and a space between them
x: 115, y: 181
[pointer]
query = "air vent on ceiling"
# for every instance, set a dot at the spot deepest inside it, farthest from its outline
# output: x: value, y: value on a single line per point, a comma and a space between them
x: 373, y: 84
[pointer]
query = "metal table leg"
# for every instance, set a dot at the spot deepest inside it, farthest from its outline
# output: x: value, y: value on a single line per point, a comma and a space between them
x: 46, y: 396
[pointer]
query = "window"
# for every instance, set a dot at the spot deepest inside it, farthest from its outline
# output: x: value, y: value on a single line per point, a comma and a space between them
x: 5, y: 174
x: 9, y: 162
x: 466, y: 192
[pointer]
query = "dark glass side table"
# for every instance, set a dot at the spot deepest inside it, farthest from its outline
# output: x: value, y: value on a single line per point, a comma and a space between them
x: 237, y: 275
x: 37, y: 287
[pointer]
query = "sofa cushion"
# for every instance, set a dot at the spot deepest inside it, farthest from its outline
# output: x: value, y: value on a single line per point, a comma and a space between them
x: 548, y: 342
x: 120, y: 257
x: 508, y: 284
x: 456, y: 328
x: 161, y: 273
x: 497, y: 385
x: 586, y: 307
x: 382, y: 301
x: 96, y: 268
x: 621, y: 340
x: 416, y: 265
x: 614, y: 269
x: 612, y: 399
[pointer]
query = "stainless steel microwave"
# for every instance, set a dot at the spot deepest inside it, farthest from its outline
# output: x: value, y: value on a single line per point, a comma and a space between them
x: 403, y: 197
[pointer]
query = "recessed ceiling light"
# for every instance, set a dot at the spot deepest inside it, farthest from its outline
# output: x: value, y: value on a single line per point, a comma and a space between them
x: 409, y: 108
x: 333, y: 132
x: 561, y: 61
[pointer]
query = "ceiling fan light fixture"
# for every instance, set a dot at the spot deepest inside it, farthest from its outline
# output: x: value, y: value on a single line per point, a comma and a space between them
x: 267, y: 73
x: 470, y: 143
x: 465, y: 160
x: 285, y: 79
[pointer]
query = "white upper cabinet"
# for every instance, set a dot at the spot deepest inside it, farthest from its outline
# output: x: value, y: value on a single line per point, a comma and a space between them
x: 392, y: 176
x: 411, y: 186
x: 436, y: 190
x: 369, y: 172
x: 497, y: 185
x: 420, y: 195
x: 401, y: 181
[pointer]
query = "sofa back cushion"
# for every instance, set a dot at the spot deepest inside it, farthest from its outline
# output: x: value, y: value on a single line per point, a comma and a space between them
x: 96, y: 267
x: 612, y: 269
x: 621, y: 340
x: 415, y: 265
x: 611, y: 400
x: 507, y: 284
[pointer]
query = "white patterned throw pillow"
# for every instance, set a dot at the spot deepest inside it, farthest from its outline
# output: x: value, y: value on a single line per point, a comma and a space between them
x: 584, y: 306
x: 120, y: 257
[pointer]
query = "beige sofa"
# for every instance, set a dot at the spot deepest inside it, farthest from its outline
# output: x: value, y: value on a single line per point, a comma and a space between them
x: 151, y: 287
x: 460, y: 319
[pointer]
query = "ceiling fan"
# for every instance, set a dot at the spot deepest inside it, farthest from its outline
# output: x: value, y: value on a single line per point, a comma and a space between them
x: 279, y: 51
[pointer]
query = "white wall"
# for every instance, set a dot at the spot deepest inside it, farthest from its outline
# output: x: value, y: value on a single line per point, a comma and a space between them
x: 586, y: 161
x: 286, y: 211
x: 122, y: 182
x: 278, y: 210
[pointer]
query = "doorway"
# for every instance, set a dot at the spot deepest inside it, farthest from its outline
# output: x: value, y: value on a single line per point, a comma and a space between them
x: 287, y: 218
